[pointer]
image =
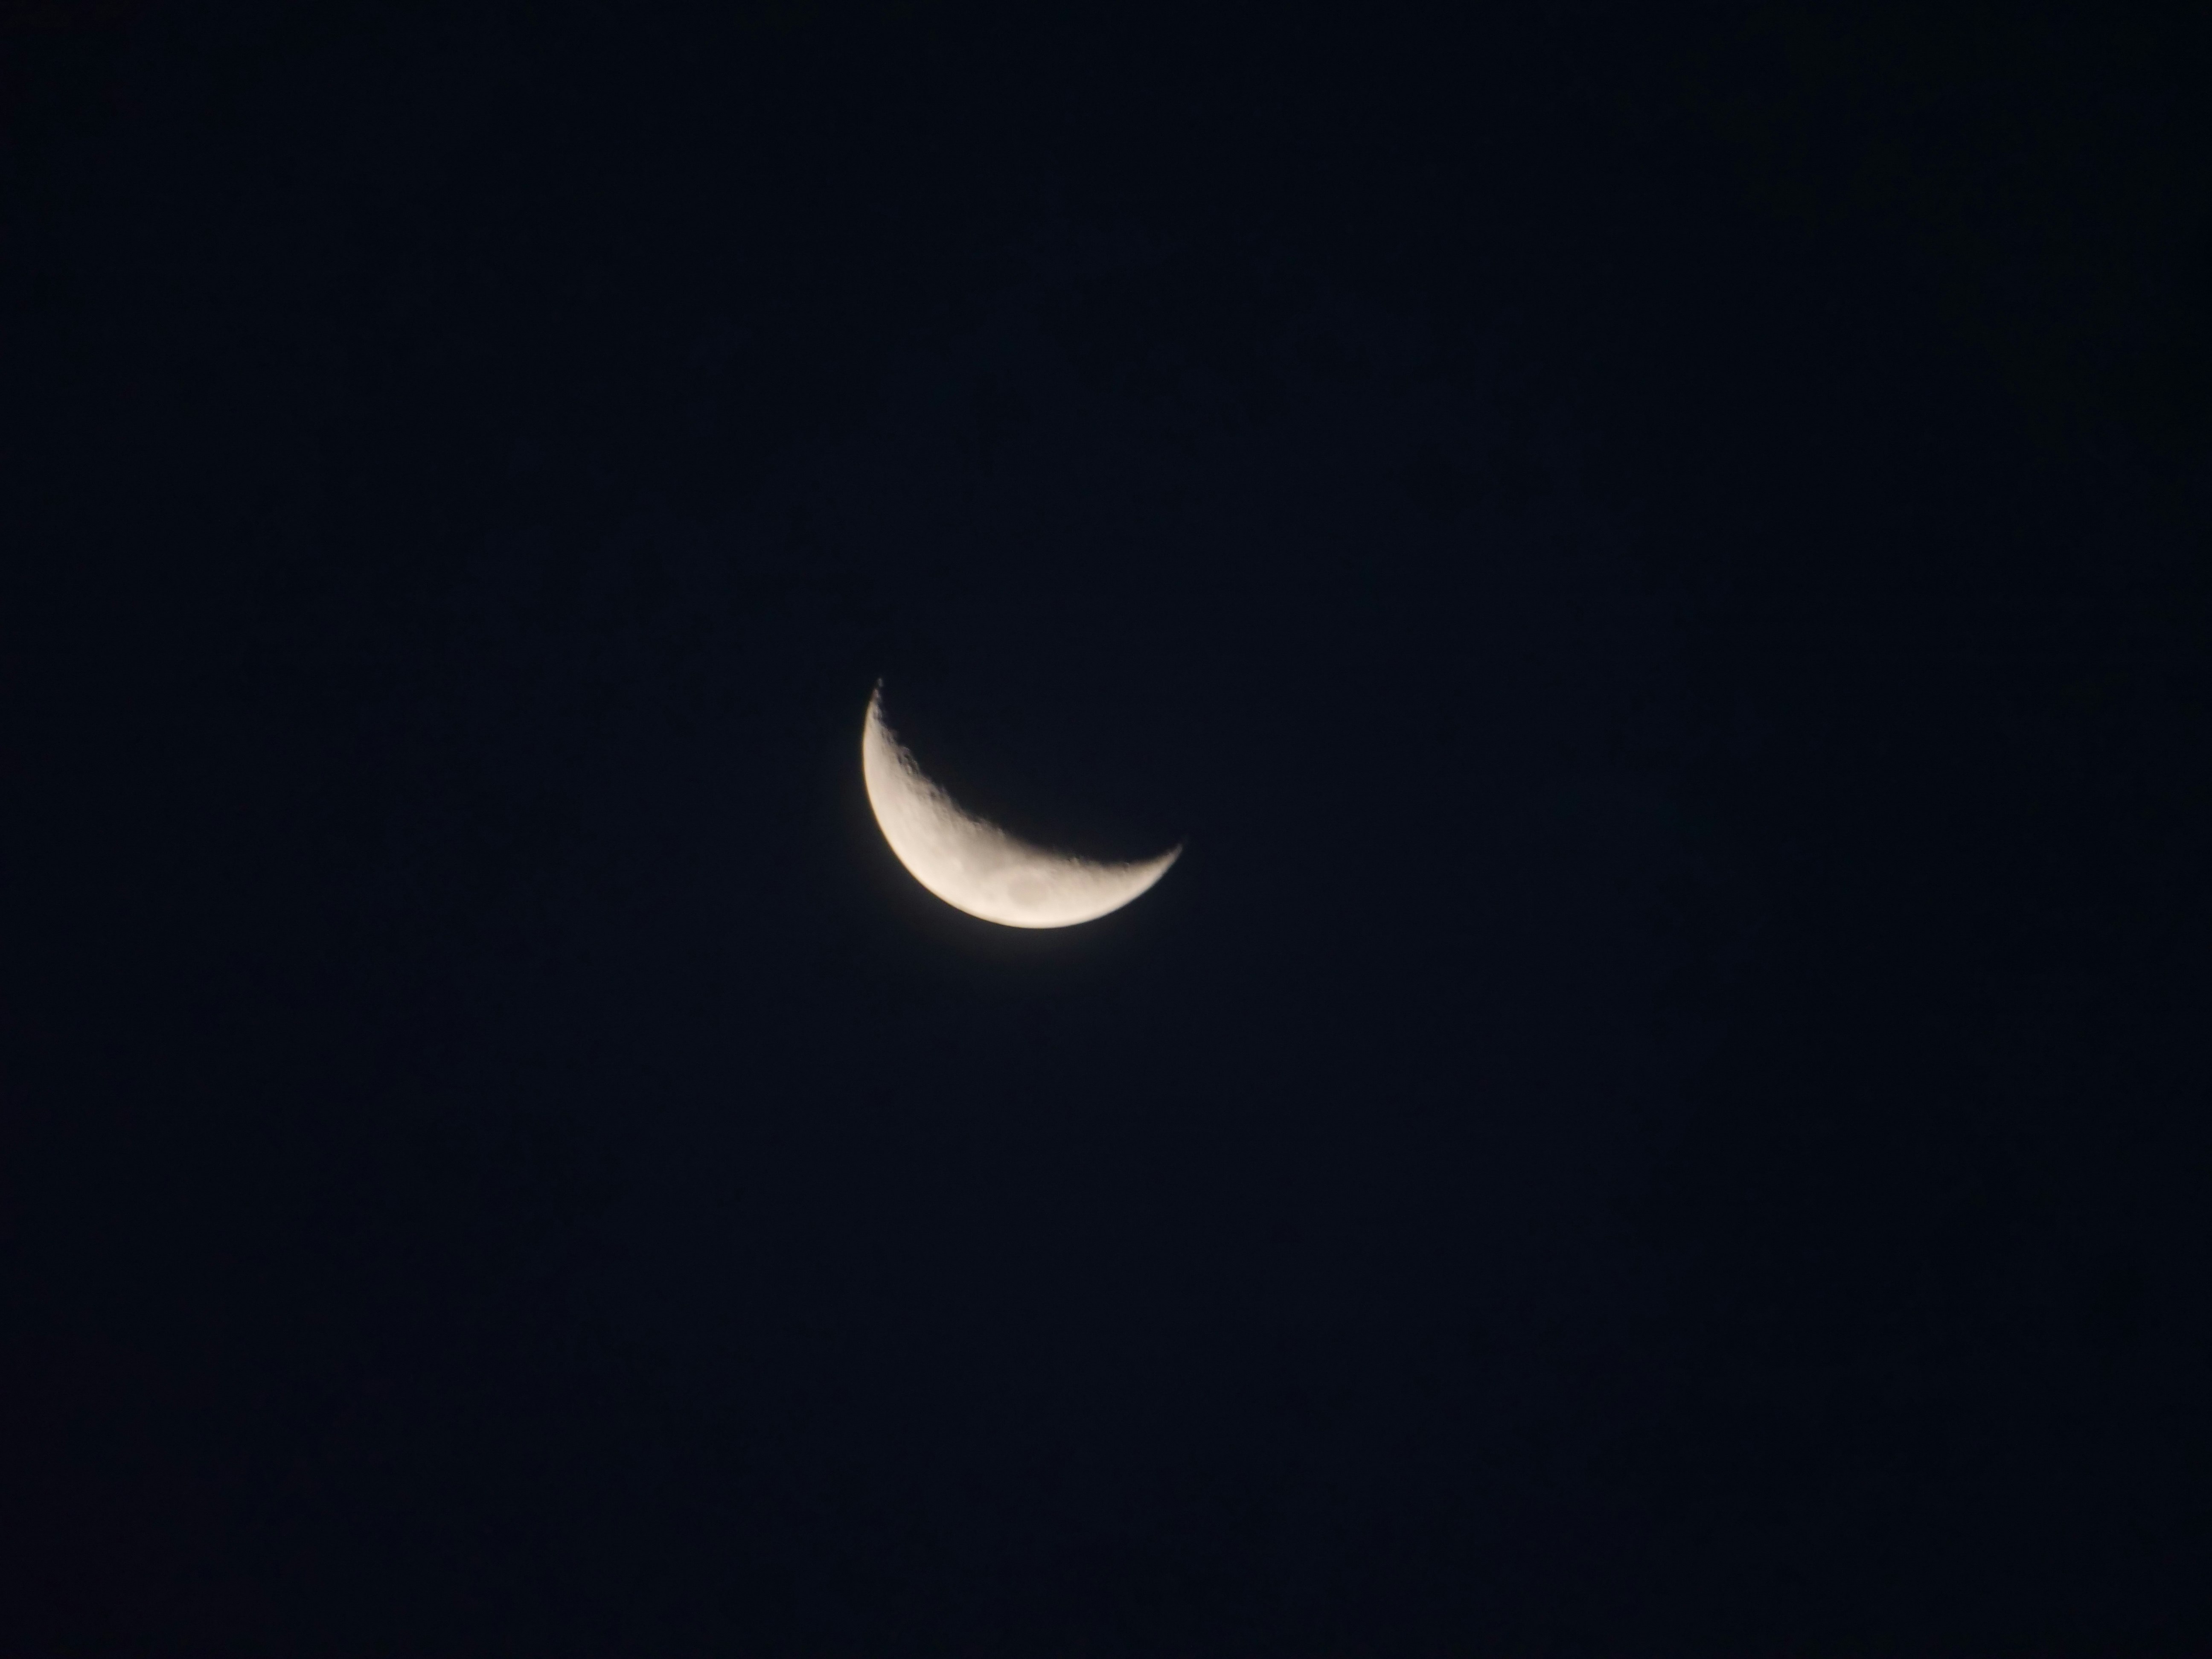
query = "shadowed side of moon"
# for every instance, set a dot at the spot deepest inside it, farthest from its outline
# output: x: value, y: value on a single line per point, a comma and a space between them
x: 973, y: 865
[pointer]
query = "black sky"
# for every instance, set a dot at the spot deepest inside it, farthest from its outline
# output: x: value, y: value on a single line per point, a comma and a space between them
x: 1657, y: 562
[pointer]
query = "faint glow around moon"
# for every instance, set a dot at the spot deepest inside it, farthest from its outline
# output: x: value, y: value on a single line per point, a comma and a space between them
x: 976, y: 866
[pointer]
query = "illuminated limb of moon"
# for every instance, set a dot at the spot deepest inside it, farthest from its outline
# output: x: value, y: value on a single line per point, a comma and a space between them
x: 976, y: 866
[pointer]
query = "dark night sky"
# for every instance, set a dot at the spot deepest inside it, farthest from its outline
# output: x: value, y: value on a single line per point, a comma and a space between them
x: 1659, y: 563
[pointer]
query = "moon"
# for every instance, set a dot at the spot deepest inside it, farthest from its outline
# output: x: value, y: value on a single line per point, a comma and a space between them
x: 975, y: 866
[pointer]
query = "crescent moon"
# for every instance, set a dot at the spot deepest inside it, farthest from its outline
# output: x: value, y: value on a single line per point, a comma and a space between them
x: 975, y: 866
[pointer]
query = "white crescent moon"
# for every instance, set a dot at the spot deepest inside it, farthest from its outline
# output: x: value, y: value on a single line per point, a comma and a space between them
x: 976, y: 866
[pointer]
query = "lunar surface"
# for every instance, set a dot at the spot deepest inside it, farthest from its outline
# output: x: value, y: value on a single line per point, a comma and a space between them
x: 976, y: 866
